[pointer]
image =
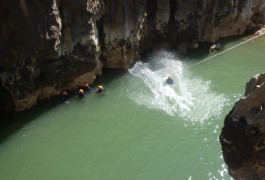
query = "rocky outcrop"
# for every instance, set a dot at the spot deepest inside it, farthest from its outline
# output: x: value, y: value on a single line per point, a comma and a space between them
x: 46, y: 46
x: 243, y: 134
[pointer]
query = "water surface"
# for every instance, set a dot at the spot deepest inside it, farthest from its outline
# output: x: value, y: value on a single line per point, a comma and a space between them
x: 140, y: 129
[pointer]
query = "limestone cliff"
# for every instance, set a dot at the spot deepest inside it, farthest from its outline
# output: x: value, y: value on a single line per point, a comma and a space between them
x: 46, y: 46
x: 243, y: 134
x: 50, y: 45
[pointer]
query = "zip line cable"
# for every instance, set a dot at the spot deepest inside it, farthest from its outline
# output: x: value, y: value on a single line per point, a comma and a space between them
x: 225, y: 51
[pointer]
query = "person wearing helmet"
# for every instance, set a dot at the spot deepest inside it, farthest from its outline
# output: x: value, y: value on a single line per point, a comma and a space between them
x: 87, y: 88
x: 169, y: 80
x: 81, y: 93
x: 100, y: 89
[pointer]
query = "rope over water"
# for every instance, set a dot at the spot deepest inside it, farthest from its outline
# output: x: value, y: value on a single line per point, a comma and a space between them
x: 225, y: 50
x: 186, y: 97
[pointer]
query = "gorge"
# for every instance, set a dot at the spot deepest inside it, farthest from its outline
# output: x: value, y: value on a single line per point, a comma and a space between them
x: 49, y: 46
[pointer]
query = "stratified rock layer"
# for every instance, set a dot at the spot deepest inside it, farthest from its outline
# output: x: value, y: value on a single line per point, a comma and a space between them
x: 243, y: 134
x: 47, y: 45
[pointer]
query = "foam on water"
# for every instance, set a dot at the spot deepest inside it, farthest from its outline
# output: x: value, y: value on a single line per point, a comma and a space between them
x: 189, y: 97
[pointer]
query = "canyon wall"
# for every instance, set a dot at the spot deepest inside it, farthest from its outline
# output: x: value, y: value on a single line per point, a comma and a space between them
x: 50, y: 45
x: 243, y: 134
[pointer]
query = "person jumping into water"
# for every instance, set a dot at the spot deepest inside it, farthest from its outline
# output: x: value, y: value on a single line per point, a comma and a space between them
x: 169, y: 80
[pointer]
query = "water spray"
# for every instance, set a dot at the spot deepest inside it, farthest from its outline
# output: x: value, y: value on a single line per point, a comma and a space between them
x: 186, y: 97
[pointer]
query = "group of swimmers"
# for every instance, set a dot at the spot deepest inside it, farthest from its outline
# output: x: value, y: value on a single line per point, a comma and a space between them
x: 86, y: 88
x: 80, y: 91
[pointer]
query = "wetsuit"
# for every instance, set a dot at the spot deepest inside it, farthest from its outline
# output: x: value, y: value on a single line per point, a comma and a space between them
x: 169, y: 81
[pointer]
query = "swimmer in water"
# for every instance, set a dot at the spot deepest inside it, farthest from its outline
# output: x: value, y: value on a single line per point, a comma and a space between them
x: 169, y: 80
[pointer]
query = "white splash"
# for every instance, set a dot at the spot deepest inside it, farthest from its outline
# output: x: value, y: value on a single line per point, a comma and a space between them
x: 189, y: 98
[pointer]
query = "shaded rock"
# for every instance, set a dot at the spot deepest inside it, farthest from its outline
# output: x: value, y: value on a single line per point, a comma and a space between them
x: 243, y: 134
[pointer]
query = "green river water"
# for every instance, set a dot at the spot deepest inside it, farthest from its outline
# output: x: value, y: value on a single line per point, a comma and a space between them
x: 141, y: 129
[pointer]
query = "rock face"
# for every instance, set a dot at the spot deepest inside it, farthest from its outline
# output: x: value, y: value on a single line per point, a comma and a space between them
x: 47, y: 45
x: 243, y: 134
